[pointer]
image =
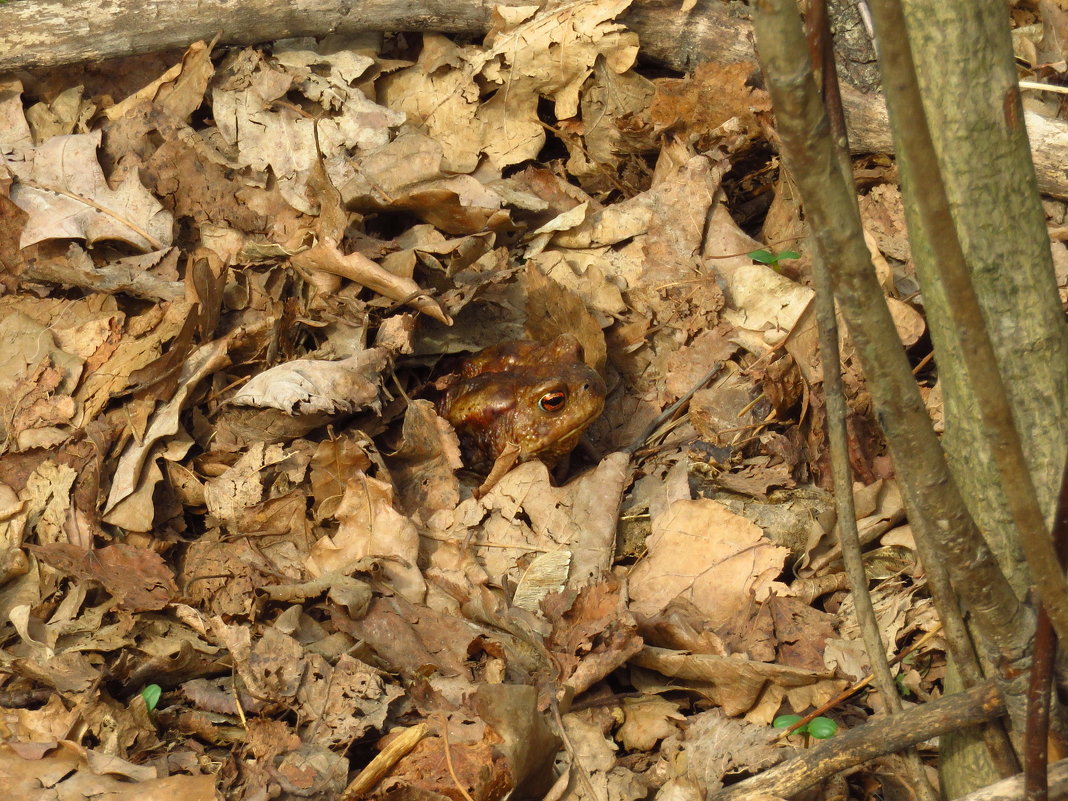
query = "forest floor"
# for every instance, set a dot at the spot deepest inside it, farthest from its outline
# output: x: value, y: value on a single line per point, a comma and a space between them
x: 240, y: 553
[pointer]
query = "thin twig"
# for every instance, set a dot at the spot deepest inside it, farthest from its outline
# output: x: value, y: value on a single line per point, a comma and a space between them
x: 448, y: 758
x: 383, y: 763
x: 834, y: 394
x: 671, y: 410
x: 1044, y: 87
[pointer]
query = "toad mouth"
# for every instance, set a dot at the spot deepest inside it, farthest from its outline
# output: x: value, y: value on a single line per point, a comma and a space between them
x: 581, y: 424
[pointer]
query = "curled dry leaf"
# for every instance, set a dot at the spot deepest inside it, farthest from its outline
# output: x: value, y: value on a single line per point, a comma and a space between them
x: 425, y: 463
x: 695, y: 106
x: 23, y: 769
x: 596, y: 755
x: 648, y: 720
x: 326, y: 257
x: 713, y: 746
x: 735, y: 684
x: 909, y: 322
x: 149, y: 275
x: 180, y: 89
x: 525, y: 515
x: 128, y: 477
x: 371, y: 528
x: 37, y: 381
x: 316, y: 386
x: 442, y: 95
x: 765, y: 302
x: 253, y: 114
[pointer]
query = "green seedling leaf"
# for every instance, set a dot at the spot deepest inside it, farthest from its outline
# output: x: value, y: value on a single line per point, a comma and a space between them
x: 902, y: 688
x: 822, y: 728
x: 785, y: 721
x: 773, y: 259
x: 151, y: 694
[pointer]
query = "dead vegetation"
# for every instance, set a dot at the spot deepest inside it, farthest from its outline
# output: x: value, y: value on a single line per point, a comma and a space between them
x: 229, y: 281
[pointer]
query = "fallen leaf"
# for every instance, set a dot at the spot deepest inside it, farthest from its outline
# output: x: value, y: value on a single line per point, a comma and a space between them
x: 307, y: 386
x: 137, y: 577
x: 702, y: 552
x: 647, y: 720
x: 370, y: 528
x: 521, y: 61
x: 66, y: 195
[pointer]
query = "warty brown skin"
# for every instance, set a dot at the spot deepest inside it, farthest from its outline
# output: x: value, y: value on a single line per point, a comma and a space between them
x: 537, y: 397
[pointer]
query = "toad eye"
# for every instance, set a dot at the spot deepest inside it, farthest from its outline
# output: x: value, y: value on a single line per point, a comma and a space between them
x: 552, y: 401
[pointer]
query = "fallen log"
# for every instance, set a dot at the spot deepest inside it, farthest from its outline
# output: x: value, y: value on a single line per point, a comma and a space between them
x: 48, y: 33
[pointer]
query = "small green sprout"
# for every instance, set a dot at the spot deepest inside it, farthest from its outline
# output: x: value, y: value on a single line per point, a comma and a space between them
x: 785, y: 721
x: 773, y: 259
x: 151, y: 694
x: 902, y: 688
x: 821, y: 728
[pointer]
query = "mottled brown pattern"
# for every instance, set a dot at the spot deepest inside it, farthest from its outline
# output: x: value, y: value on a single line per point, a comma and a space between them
x: 537, y: 397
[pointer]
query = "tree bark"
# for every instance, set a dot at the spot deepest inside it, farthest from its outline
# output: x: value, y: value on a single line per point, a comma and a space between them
x: 936, y: 509
x: 45, y: 33
x: 965, y: 68
x: 1013, y: 789
x: 48, y: 33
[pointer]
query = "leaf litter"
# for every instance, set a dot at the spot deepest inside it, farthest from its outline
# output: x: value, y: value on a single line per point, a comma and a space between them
x: 226, y: 298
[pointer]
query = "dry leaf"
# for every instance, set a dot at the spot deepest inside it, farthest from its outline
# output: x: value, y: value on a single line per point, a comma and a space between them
x: 704, y: 553
x: 137, y: 577
x: 307, y: 386
x: 64, y: 191
x: 371, y: 528
x: 522, y: 62
x: 647, y: 720
x: 326, y: 257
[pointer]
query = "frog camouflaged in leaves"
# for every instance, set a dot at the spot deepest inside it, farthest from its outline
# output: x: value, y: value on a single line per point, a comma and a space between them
x: 529, y: 397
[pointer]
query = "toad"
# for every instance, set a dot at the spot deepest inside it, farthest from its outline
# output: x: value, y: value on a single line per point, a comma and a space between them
x: 519, y: 401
